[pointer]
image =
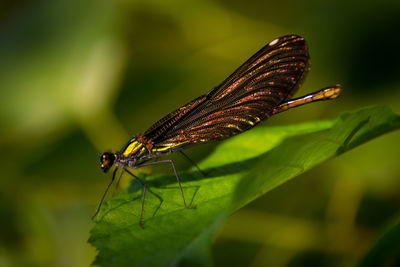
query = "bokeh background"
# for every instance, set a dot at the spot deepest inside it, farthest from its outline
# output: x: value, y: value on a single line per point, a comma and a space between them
x: 81, y: 77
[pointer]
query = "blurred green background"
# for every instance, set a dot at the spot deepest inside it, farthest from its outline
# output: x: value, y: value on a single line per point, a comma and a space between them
x: 80, y: 77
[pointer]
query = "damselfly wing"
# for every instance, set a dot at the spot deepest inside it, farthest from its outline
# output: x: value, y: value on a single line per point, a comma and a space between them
x: 258, y: 89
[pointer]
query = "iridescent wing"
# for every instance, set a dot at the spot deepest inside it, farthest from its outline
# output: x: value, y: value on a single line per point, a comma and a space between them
x: 244, y: 99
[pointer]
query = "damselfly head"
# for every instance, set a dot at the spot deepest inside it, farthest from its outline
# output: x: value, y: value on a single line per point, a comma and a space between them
x: 106, y: 161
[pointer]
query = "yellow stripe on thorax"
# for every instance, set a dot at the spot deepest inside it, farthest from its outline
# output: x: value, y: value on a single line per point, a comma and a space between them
x: 133, y: 148
x: 168, y: 147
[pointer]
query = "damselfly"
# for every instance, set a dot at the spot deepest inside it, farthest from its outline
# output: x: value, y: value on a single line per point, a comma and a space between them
x: 261, y: 87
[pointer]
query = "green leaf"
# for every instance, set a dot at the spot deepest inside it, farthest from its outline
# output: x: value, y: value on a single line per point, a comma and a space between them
x: 240, y: 169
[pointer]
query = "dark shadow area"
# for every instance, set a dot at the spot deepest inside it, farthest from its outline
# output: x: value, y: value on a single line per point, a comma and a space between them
x: 346, y: 144
x: 371, y: 54
x: 230, y: 252
x: 313, y: 258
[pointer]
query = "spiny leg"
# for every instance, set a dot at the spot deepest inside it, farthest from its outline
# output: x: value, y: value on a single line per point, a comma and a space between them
x: 105, y: 193
x: 323, y: 94
x: 193, y: 163
x: 143, y: 195
x: 176, y: 175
